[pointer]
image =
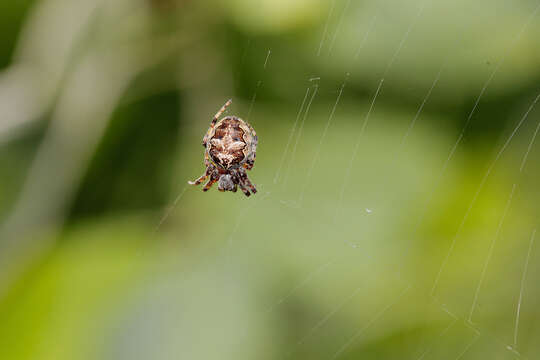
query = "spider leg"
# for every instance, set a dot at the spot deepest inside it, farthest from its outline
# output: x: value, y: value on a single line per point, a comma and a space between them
x: 246, y: 182
x: 237, y: 178
x: 209, y: 184
x: 220, y: 112
x: 253, y: 150
x: 244, y: 189
x: 209, y: 169
x: 199, y: 180
x: 214, y: 177
x: 250, y: 185
x: 214, y: 121
x: 250, y: 160
x: 248, y: 165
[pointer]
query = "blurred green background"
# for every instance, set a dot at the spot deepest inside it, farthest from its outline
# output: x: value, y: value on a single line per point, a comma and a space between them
x: 397, y: 171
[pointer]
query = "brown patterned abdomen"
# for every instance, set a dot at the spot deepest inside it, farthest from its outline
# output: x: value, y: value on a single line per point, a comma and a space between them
x: 227, y: 144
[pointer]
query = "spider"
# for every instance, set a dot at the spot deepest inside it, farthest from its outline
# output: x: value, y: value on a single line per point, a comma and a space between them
x: 230, y: 144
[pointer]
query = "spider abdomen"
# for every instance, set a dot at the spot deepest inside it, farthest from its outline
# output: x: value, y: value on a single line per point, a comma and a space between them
x: 229, y: 144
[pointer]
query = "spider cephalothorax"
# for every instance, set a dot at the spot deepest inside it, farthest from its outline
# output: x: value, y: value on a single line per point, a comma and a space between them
x: 230, y: 144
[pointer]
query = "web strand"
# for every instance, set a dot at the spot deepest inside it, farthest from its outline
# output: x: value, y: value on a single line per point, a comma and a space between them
x: 404, y: 39
x: 338, y: 27
x: 267, y: 57
x: 170, y: 209
x: 469, y: 117
x: 321, y: 141
x: 355, y: 337
x: 420, y: 109
x: 468, y: 347
x: 523, y: 277
x: 490, y: 253
x: 329, y: 315
x: 480, y: 187
x: 325, y: 31
x: 529, y: 148
x: 355, y: 152
x: 311, y: 275
x: 291, y: 135
x: 379, y: 87
x: 441, y: 334
x: 300, y: 130
x: 476, y: 330
x: 259, y: 83
x: 488, y: 82
x: 253, y: 98
x: 364, y: 40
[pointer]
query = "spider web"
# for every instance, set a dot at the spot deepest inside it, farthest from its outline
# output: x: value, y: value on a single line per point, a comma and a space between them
x: 378, y: 230
x: 456, y: 323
